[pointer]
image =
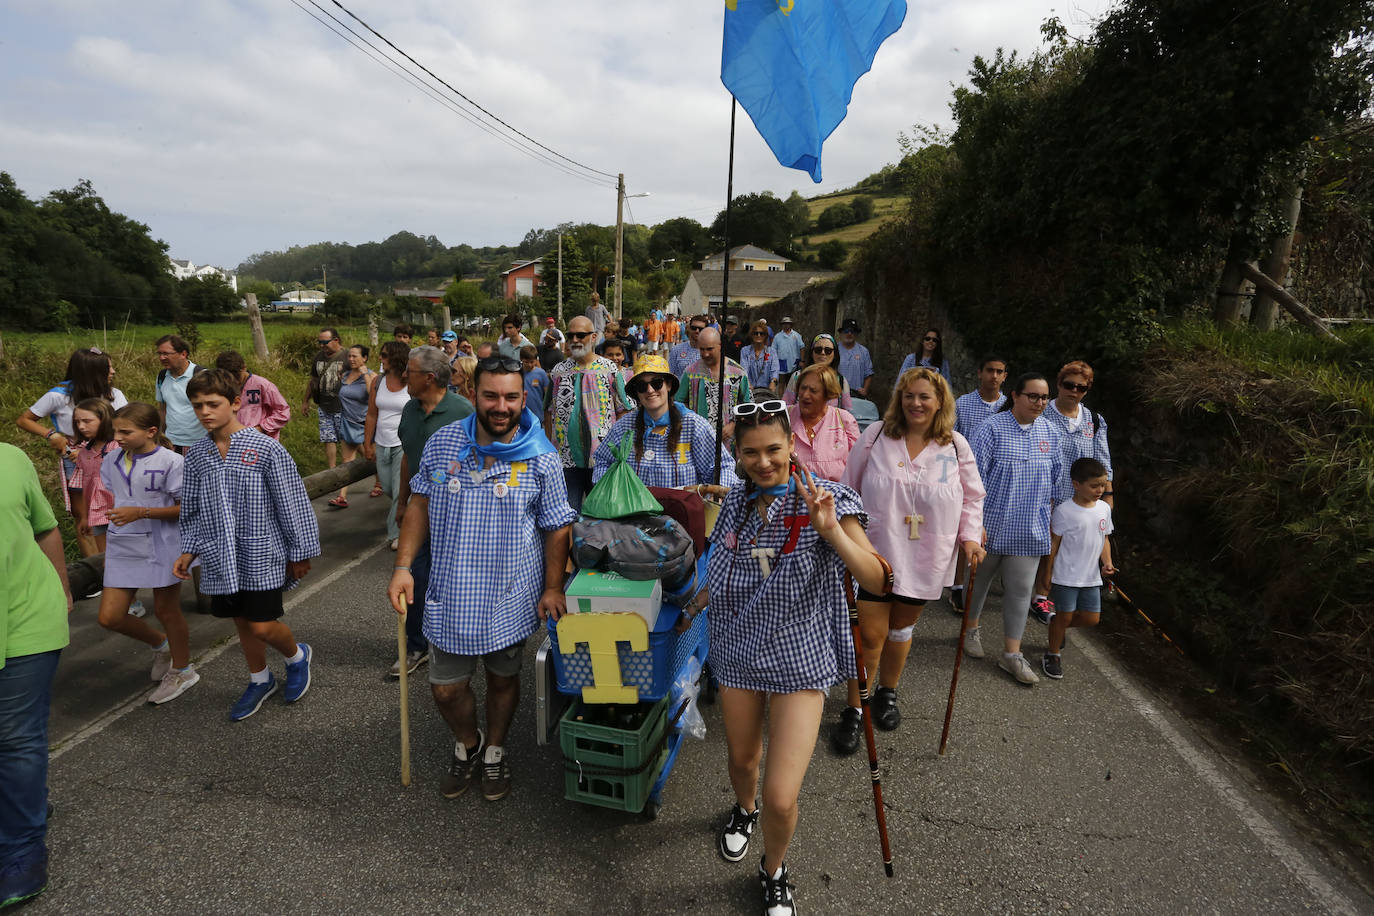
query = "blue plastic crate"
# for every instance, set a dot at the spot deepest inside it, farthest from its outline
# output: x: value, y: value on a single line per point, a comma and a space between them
x: 650, y: 671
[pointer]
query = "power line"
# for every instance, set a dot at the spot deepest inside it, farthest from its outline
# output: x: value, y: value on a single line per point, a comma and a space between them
x: 465, y: 98
x: 376, y: 54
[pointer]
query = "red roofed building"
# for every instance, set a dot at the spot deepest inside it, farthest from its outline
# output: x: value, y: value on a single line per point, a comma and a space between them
x: 523, y: 278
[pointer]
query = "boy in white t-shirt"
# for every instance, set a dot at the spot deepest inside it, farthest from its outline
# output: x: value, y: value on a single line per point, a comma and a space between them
x: 1079, y: 554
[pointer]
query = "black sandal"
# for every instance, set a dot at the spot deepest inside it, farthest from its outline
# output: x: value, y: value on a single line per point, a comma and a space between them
x: 886, y: 715
x: 844, y: 735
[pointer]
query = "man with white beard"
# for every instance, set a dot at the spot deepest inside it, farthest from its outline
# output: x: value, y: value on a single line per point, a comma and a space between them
x: 588, y: 395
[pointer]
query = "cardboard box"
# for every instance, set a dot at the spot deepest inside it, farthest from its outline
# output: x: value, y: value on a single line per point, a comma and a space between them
x: 594, y: 592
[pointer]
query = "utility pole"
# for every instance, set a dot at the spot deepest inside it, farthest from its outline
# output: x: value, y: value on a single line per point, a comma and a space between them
x: 325, y: 268
x: 619, y: 239
x: 560, y: 281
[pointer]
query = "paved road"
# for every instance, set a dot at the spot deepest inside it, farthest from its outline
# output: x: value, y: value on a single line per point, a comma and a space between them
x: 1082, y: 795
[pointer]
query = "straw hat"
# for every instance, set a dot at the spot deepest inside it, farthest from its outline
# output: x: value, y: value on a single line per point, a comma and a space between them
x: 654, y: 364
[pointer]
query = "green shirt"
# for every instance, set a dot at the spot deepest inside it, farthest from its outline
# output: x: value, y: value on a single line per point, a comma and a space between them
x: 417, y: 426
x: 30, y: 590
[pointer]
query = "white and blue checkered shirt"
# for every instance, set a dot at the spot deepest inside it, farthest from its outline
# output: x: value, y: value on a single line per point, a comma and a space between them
x: 692, y: 462
x: 855, y: 365
x: 486, y: 542
x: 682, y: 356
x: 1020, y: 470
x: 1083, y: 442
x: 245, y: 515
x: 762, y: 368
x: 789, y: 631
x: 970, y: 410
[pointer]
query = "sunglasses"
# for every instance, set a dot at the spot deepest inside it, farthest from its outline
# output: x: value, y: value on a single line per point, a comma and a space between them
x: 822, y: 349
x: 1074, y: 386
x: 697, y: 328
x: 499, y: 364
x: 1036, y: 398
x: 931, y: 339
x: 760, y: 333
x: 578, y: 335
x: 658, y: 383
x: 753, y: 408
x: 324, y: 340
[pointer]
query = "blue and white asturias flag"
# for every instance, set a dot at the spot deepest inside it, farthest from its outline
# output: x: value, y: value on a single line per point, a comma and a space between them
x: 793, y: 64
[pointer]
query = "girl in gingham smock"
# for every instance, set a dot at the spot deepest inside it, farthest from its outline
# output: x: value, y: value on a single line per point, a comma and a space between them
x: 141, y: 545
x: 918, y: 479
x: 672, y: 446
x: 778, y: 626
x: 1019, y: 458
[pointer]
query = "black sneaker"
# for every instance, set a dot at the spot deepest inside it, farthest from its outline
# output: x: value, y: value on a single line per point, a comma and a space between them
x: 956, y: 599
x: 886, y: 715
x: 460, y: 770
x: 777, y: 893
x: 1042, y: 610
x: 1052, y: 667
x: 495, y: 774
x: 733, y: 842
x: 844, y: 735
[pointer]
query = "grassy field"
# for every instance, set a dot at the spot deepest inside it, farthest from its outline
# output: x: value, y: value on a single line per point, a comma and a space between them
x: 33, y: 363
x: 884, y: 209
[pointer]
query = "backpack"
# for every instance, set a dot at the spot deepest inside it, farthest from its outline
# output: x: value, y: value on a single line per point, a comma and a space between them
x: 636, y: 547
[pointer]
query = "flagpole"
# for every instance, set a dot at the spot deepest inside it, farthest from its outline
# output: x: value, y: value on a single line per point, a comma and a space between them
x: 725, y: 286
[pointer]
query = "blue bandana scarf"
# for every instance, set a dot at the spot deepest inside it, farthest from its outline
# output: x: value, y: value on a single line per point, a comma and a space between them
x: 529, y: 440
x: 782, y: 489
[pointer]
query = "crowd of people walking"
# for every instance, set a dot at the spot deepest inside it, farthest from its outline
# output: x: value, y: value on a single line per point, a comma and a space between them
x: 486, y: 454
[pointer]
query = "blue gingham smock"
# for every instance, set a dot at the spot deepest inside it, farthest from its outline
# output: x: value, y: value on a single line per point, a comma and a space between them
x: 1079, y: 443
x: 970, y: 410
x: 1020, y: 470
x: 487, y: 551
x: 791, y: 631
x: 692, y: 462
x: 245, y: 515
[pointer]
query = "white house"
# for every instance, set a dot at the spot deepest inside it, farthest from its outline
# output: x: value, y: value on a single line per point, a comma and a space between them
x: 746, y: 257
x: 183, y: 270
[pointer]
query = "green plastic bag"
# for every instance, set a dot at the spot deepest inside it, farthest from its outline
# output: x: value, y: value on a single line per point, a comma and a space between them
x: 620, y: 492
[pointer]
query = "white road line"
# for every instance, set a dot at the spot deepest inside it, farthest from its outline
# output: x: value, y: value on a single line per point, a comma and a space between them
x: 129, y: 704
x: 1331, y: 899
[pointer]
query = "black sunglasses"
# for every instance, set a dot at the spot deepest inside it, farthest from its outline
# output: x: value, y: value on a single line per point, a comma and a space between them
x: 578, y: 335
x: 499, y: 364
x: 760, y: 333
x: 822, y: 349
x: 932, y: 339
x: 657, y: 383
x: 1074, y: 386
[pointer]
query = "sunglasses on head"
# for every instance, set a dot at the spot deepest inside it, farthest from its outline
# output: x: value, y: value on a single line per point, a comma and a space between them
x: 757, y: 408
x: 656, y: 382
x: 499, y: 364
x: 1074, y: 386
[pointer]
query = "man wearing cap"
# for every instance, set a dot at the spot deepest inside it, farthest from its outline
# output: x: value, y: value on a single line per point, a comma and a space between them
x: 684, y: 354
x: 732, y: 340
x: 701, y: 383
x: 855, y: 365
x: 449, y: 344
x: 550, y: 345
x: 788, y: 344
x: 587, y: 396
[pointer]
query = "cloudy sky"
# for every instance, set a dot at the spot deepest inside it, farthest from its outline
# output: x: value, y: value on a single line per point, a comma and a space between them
x: 237, y: 126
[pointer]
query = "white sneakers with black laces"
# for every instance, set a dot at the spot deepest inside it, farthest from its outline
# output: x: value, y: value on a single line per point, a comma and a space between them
x: 733, y: 841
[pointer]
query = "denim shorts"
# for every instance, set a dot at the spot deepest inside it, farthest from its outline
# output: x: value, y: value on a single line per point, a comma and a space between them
x: 447, y: 668
x: 1069, y: 598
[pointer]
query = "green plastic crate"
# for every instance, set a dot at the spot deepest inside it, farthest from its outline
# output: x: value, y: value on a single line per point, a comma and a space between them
x: 612, y: 767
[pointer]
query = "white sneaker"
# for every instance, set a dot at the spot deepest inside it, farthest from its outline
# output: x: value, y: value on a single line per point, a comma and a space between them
x: 973, y: 643
x: 395, y: 542
x: 1017, y: 667
x: 174, y: 684
x: 162, y: 663
x: 137, y: 609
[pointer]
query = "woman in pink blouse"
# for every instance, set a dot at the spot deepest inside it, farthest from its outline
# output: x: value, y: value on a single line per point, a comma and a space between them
x: 823, y: 434
x: 921, y: 489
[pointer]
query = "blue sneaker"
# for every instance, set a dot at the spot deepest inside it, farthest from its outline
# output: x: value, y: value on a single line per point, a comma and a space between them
x: 24, y: 878
x: 298, y: 675
x: 252, y: 698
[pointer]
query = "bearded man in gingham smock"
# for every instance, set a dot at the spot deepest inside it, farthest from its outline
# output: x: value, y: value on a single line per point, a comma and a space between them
x: 489, y: 495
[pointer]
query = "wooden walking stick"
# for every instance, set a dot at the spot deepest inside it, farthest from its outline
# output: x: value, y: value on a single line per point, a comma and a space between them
x: 850, y: 593
x: 405, y: 691
x: 958, y: 656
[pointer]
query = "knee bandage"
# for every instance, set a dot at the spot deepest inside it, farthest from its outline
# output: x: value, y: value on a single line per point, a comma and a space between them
x: 902, y: 635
